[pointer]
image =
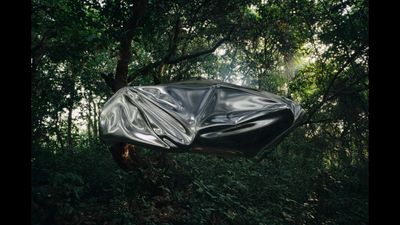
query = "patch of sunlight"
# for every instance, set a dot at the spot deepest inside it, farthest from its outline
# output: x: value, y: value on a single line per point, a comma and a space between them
x: 101, y: 2
x: 61, y: 67
x: 312, y: 133
x: 330, y: 160
x: 347, y: 10
x: 340, y: 124
x: 312, y: 55
x: 284, y: 88
x: 79, y: 113
x: 220, y: 51
x: 253, y: 11
x: 253, y: 8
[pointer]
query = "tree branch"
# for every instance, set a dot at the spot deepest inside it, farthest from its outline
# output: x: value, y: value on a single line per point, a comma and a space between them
x: 125, y: 53
x: 199, y: 53
x: 325, y: 96
x: 37, y: 51
x: 321, y: 121
x: 145, y: 69
x: 173, y: 45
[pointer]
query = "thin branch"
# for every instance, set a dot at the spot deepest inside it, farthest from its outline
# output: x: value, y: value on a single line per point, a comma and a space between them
x: 200, y: 53
x: 325, y: 95
x: 173, y: 45
x: 144, y: 70
x: 321, y: 121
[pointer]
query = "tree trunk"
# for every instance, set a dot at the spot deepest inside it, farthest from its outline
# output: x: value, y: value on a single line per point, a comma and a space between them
x: 69, y: 128
x: 58, y: 133
x: 120, y: 79
x: 260, y: 80
x: 71, y: 101
x: 89, y: 118
x: 125, y: 55
x: 95, y: 119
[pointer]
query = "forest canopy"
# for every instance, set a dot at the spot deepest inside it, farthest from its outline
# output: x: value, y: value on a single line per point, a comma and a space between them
x: 314, y: 52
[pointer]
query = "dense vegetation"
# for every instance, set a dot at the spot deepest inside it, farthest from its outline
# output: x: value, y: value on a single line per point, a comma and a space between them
x: 314, y: 52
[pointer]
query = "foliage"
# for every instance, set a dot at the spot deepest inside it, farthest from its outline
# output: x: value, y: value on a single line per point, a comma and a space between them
x: 315, y: 52
x: 88, y: 188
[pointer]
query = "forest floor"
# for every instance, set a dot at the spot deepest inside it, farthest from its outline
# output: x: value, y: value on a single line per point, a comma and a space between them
x: 88, y: 188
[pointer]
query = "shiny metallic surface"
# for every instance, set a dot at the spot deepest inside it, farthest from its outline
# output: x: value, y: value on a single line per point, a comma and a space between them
x: 198, y: 116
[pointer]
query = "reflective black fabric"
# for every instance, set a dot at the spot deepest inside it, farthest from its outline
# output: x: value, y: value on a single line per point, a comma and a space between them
x: 198, y: 115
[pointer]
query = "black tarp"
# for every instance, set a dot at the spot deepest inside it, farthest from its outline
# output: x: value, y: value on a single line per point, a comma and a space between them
x: 201, y: 114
